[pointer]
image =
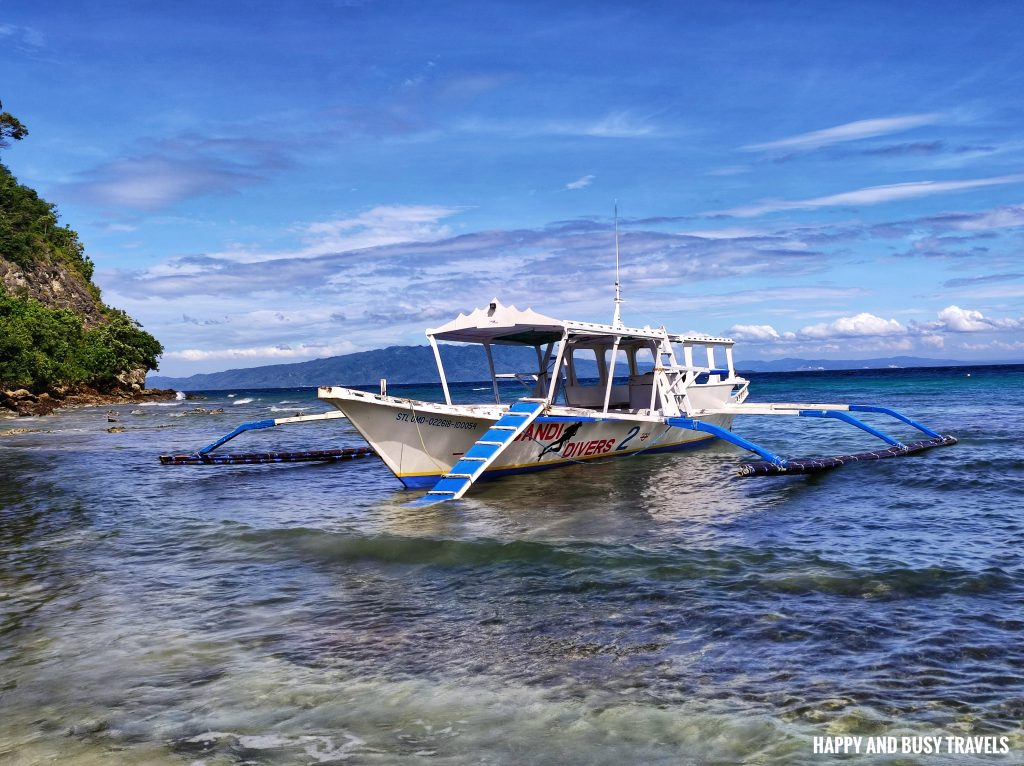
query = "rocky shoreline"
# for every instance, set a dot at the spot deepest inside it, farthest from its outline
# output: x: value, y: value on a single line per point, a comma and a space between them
x: 24, y: 403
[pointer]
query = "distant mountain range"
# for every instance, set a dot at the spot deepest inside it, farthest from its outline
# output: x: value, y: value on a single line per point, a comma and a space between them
x: 415, y: 364
x: 399, y: 364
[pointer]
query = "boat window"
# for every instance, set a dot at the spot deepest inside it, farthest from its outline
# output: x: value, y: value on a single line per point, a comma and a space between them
x: 584, y: 370
x: 619, y: 364
x: 644, y: 360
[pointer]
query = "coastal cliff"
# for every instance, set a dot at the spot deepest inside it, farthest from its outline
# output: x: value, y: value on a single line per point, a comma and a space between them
x: 59, y: 343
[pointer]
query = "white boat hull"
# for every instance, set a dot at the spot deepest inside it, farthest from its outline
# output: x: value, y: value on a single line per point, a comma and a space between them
x: 420, y: 441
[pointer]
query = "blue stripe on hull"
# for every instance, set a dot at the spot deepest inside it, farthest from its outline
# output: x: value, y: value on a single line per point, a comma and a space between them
x: 429, y: 480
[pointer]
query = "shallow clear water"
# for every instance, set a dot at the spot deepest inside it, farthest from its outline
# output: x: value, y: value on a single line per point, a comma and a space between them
x: 654, y: 609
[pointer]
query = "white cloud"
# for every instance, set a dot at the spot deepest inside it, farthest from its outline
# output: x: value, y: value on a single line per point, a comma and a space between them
x: 619, y: 124
x: 863, y: 324
x: 735, y: 232
x: 377, y: 227
x: 768, y: 296
x: 962, y: 320
x: 956, y: 319
x: 729, y: 170
x: 151, y: 183
x: 995, y: 345
x: 382, y: 225
x: 281, y: 351
x: 868, y: 333
x: 999, y: 218
x: 28, y: 37
x: 754, y: 332
x: 872, y: 195
x: 580, y: 183
x: 851, y: 131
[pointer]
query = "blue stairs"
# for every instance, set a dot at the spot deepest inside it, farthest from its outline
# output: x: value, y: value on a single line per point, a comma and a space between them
x: 455, y: 483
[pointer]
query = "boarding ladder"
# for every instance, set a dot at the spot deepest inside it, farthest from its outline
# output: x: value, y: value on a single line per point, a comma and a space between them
x: 479, y: 457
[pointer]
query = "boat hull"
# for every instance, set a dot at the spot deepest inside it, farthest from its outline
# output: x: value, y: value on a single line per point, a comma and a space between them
x: 421, y: 441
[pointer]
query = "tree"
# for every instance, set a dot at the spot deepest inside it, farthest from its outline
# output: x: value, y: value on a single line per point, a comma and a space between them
x: 10, y: 128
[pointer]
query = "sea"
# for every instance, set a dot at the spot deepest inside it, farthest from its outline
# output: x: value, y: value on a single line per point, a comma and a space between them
x: 656, y: 609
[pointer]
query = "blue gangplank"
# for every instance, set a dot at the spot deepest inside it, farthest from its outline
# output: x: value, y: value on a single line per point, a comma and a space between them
x: 455, y: 483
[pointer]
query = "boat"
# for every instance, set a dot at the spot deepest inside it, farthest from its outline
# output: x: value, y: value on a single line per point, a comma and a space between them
x: 597, y: 391
x: 592, y: 392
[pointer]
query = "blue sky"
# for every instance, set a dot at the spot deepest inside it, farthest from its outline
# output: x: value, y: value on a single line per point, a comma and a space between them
x: 271, y: 182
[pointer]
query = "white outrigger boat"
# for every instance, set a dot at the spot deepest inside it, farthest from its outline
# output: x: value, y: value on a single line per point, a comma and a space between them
x: 654, y: 391
x: 564, y: 415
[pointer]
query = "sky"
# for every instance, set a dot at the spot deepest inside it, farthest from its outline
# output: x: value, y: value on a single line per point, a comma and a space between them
x: 260, y: 183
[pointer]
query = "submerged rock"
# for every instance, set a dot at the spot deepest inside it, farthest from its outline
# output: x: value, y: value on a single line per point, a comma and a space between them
x: 203, y: 411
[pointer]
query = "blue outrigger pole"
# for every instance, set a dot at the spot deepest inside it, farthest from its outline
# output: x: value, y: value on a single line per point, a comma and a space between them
x: 773, y: 464
x: 205, y: 456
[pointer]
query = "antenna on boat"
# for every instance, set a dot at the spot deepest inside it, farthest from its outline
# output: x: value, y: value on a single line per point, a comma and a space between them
x: 617, y: 316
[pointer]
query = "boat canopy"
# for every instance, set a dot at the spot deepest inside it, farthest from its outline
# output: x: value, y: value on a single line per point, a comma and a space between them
x: 498, y: 323
x: 501, y: 324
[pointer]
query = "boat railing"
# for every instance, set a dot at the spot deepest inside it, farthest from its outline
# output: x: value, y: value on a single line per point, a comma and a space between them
x: 522, y: 377
x: 531, y: 381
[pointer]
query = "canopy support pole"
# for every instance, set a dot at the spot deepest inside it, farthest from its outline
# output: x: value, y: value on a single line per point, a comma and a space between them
x: 440, y: 368
x: 494, y: 377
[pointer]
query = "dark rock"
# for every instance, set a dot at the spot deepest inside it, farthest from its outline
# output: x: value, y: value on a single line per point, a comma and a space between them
x: 27, y: 408
x: 158, y: 393
x: 52, y: 284
x: 24, y: 403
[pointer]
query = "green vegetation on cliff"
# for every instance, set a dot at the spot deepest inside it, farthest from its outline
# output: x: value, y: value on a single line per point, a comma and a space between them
x: 64, y: 337
x: 29, y: 229
x: 42, y: 347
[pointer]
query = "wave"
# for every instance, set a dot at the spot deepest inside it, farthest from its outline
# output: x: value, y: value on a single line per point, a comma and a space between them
x: 735, y: 570
x: 247, y: 400
x: 287, y: 409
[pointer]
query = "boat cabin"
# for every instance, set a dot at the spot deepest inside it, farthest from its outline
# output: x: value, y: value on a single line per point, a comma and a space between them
x: 586, y: 365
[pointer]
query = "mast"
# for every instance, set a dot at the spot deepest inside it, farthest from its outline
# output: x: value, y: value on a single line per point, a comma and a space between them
x: 617, y: 315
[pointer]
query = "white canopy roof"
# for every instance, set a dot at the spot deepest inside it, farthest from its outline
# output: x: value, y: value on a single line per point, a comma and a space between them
x: 498, y: 323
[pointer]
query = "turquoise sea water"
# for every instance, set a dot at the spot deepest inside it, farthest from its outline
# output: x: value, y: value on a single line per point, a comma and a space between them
x: 655, y: 609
